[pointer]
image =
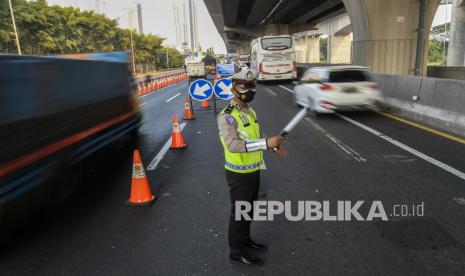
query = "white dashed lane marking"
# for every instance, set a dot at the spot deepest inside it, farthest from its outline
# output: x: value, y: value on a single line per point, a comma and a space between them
x: 271, y: 92
x: 460, y: 200
x: 287, y: 89
x: 172, y: 98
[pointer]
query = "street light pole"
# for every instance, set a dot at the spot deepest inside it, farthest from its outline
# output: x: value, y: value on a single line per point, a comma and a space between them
x: 132, y: 53
x: 130, y: 11
x: 167, y: 59
x: 18, y: 46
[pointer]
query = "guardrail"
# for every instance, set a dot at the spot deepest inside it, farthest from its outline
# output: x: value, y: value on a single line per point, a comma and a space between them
x: 159, y: 74
x: 159, y: 81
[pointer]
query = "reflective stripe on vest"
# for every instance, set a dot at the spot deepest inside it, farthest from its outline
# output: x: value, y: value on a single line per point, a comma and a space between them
x: 253, y: 166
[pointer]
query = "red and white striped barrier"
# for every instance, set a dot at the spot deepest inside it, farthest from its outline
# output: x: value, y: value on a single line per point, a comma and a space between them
x: 158, y: 83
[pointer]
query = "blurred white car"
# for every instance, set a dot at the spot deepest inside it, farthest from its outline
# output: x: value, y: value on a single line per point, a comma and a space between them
x: 337, y: 88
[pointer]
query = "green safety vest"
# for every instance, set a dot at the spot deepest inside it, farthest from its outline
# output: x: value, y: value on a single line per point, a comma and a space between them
x: 247, y: 129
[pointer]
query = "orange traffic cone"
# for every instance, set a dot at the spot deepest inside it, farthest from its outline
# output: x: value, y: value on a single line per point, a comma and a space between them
x: 188, y: 111
x: 145, y: 89
x: 204, y: 104
x: 177, y: 141
x: 140, y: 188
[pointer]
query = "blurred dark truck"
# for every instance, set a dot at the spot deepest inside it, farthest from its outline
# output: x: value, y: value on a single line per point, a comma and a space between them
x: 56, y: 111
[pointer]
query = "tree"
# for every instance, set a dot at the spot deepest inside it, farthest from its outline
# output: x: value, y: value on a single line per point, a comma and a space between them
x: 45, y: 30
x: 439, y: 44
x: 176, y: 59
x: 210, y: 52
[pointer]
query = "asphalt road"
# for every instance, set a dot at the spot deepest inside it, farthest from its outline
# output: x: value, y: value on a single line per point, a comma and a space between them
x: 354, y: 156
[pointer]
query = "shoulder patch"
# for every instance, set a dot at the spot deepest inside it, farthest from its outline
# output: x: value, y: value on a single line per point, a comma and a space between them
x: 229, y: 109
x: 229, y: 119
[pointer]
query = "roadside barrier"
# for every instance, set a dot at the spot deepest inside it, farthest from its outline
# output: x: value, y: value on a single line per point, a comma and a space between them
x: 177, y: 140
x: 140, y: 187
x: 158, y: 83
x: 434, y: 102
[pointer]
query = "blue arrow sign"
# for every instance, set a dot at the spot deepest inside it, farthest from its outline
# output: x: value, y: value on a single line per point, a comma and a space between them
x: 200, y: 90
x: 223, y: 89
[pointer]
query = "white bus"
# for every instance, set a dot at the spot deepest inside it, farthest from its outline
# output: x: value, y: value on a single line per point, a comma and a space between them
x: 273, y: 57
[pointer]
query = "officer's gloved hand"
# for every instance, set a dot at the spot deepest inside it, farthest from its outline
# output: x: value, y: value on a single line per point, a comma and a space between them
x: 274, y: 142
x: 281, y: 152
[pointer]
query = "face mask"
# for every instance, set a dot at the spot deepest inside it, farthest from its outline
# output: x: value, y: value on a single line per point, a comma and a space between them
x: 247, y: 96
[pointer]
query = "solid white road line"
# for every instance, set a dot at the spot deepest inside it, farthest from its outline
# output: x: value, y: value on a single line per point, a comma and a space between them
x: 154, y: 163
x: 142, y: 104
x: 285, y: 88
x: 460, y: 200
x: 423, y: 156
x: 271, y: 92
x: 170, y: 99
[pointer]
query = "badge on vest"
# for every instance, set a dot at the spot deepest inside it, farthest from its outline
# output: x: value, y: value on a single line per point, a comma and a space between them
x: 229, y: 119
x: 245, y: 120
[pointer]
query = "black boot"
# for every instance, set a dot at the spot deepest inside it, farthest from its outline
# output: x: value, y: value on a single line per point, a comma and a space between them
x: 256, y: 246
x: 246, y: 258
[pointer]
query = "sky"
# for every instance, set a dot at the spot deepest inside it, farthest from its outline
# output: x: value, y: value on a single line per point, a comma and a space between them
x: 158, y: 18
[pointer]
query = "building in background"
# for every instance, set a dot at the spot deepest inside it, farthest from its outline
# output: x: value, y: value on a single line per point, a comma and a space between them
x: 185, y: 20
x: 139, y: 18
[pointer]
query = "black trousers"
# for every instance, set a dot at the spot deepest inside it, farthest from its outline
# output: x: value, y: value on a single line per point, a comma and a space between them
x: 243, y: 187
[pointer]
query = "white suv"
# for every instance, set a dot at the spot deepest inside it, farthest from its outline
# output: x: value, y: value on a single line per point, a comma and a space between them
x: 327, y: 89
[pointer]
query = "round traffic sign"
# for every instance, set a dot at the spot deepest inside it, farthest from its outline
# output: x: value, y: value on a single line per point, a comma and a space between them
x: 223, y: 89
x: 200, y: 90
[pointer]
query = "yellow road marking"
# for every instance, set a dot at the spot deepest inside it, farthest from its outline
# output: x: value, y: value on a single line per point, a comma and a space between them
x: 434, y: 131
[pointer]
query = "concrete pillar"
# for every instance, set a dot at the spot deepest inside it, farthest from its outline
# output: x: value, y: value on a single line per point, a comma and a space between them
x: 313, y: 49
x: 385, y: 33
x: 341, y: 48
x: 298, y: 50
x: 456, y: 52
x: 307, y: 49
x: 329, y: 48
x: 303, y: 50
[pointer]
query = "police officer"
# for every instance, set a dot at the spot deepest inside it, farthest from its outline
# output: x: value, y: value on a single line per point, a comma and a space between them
x: 243, y: 145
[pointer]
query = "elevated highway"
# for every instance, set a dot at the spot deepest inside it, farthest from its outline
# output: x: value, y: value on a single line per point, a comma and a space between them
x: 388, y: 36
